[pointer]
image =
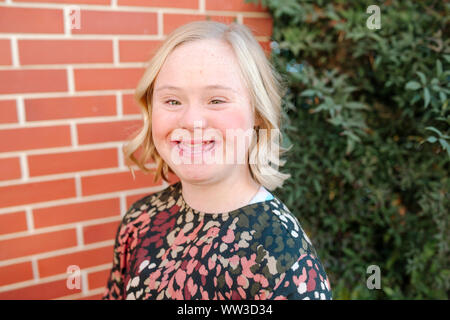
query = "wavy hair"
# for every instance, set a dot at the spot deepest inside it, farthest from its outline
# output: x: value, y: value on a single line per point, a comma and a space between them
x: 262, y: 80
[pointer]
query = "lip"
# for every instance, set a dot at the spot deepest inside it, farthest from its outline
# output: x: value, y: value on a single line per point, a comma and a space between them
x: 184, y: 151
x: 192, y: 142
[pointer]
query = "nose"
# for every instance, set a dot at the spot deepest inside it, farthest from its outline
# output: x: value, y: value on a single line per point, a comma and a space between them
x: 194, y: 124
x: 192, y: 119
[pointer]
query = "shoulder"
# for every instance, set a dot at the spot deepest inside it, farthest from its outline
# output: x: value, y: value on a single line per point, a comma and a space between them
x: 279, y: 233
x: 279, y: 220
x: 291, y: 256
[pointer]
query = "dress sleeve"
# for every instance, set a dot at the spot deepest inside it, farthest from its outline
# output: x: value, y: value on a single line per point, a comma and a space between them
x: 115, y: 283
x: 305, y: 280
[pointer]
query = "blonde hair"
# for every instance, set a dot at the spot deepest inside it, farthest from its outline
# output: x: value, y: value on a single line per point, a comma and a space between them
x: 265, y: 88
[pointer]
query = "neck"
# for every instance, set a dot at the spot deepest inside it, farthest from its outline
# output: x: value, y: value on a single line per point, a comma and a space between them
x: 231, y: 193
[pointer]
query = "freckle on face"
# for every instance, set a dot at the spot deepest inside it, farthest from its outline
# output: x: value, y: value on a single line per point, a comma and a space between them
x: 191, y: 67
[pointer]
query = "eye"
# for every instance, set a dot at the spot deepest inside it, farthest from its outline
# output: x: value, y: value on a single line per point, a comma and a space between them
x: 217, y: 101
x: 172, y: 102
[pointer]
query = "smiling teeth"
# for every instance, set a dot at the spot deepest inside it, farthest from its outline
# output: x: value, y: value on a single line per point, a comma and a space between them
x: 194, y: 148
x: 188, y: 145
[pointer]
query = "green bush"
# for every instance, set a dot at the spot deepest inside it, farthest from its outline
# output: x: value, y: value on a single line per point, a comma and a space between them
x: 367, y: 112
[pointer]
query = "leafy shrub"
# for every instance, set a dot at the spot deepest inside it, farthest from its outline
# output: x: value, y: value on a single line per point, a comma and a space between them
x: 367, y: 112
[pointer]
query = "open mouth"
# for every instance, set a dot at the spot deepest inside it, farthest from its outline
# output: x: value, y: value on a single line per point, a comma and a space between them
x: 189, y: 148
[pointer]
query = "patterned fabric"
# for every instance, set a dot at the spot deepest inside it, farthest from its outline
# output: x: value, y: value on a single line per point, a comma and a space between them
x: 165, y: 249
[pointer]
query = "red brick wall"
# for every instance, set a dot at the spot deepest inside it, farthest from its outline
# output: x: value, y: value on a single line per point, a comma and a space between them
x: 66, y: 108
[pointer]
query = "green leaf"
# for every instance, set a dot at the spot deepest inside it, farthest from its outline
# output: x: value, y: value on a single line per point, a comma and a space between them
x: 426, y: 94
x: 308, y: 93
x: 412, y: 85
x: 389, y: 292
x: 445, y: 146
x: 351, y: 135
x: 434, y: 130
x: 320, y: 107
x: 422, y: 77
x: 432, y: 139
x: 356, y: 106
x: 438, y: 67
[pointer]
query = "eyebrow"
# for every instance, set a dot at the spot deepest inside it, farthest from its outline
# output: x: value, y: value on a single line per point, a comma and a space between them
x: 215, y: 86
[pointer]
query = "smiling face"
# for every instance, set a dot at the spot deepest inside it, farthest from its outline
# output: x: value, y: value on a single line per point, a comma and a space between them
x: 199, y: 102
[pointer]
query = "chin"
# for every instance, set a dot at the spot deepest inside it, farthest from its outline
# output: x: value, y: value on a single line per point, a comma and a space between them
x: 196, y: 178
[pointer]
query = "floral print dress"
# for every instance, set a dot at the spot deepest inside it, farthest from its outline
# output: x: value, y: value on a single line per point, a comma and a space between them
x: 165, y: 249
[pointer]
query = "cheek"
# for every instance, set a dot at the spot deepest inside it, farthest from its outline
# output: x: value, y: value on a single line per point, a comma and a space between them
x: 156, y: 127
x: 234, y: 120
x: 161, y: 126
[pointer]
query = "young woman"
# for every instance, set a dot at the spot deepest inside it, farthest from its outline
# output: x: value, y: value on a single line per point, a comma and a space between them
x: 218, y: 233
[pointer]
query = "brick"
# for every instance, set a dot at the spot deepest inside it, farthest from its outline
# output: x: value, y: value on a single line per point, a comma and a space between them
x: 114, y: 182
x: 184, y: 4
x: 37, y: 243
x: 96, y: 296
x: 137, y: 154
x: 137, y: 50
x: 42, y: 291
x: 69, y: 107
x: 129, y: 106
x: 76, y: 212
x: 34, y: 138
x: 133, y: 198
x: 100, y: 232
x: 259, y: 26
x: 5, y: 52
x: 117, y: 22
x: 65, y: 51
x: 31, y: 20
x: 8, y: 112
x: 29, y: 81
x: 107, y: 131
x: 233, y: 5
x: 173, y: 21
x: 35, y: 192
x: 130, y: 200
x: 45, y: 164
x: 265, y: 45
x: 106, y: 2
x: 13, y: 222
x: 107, y: 79
x: 10, y: 168
x: 222, y: 19
x: 98, y: 279
x: 82, y: 259
x: 16, y: 273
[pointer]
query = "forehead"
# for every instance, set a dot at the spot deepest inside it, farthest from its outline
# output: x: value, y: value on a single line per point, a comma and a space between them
x: 201, y: 62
